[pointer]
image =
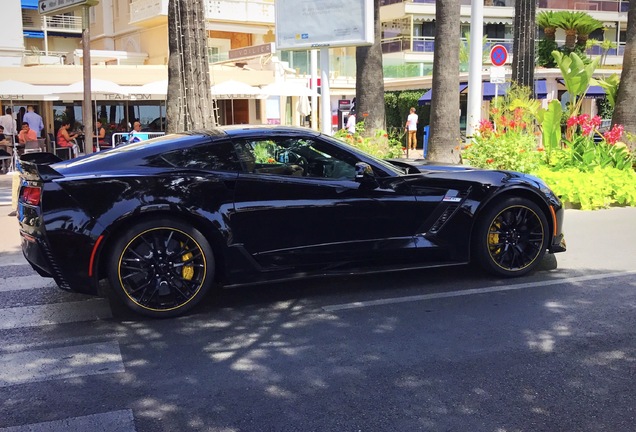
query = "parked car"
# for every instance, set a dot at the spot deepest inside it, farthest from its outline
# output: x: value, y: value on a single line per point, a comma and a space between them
x: 165, y: 220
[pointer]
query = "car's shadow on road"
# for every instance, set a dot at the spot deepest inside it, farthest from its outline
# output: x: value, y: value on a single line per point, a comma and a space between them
x: 315, y: 292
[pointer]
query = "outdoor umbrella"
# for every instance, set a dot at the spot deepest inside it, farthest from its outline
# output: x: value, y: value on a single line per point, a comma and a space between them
x: 287, y: 89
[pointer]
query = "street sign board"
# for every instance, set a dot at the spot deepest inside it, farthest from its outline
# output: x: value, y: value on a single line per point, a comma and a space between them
x: 308, y: 24
x: 497, y: 74
x: 498, y: 55
x: 57, y: 7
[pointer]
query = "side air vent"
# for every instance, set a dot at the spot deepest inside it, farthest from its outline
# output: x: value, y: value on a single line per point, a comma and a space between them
x: 448, y: 212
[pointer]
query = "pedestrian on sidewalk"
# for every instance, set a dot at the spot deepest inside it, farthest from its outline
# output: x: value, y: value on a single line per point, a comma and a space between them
x: 411, y: 128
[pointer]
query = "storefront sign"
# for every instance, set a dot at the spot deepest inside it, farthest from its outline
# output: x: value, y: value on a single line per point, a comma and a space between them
x: 251, y: 51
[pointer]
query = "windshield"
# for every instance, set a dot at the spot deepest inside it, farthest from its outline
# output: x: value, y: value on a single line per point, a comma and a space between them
x: 384, y: 164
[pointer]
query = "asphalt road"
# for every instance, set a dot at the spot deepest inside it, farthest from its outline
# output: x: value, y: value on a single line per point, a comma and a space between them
x: 435, y: 350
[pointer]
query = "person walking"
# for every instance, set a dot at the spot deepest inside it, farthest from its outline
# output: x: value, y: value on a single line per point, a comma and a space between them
x: 351, y: 122
x: 34, y: 120
x: 411, y: 128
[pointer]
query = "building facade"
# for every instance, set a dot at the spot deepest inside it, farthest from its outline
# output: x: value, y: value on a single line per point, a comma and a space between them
x: 129, y: 46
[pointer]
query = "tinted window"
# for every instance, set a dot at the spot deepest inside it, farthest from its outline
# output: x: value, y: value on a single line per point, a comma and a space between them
x: 217, y: 156
x: 296, y: 157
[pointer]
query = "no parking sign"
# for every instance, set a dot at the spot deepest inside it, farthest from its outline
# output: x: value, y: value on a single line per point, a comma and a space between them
x: 498, y: 55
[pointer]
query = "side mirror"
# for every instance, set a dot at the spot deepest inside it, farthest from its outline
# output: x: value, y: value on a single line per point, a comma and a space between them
x: 365, y: 174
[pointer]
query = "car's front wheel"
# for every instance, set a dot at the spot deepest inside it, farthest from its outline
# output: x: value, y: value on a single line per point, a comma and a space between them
x: 511, y: 237
x: 161, y: 267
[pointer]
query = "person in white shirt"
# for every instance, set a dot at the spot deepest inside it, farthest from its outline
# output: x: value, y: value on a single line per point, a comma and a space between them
x: 9, y: 123
x: 411, y: 127
x: 351, y: 123
x: 34, y: 120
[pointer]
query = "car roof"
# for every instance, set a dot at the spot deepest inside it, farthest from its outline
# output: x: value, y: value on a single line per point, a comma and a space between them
x: 250, y: 130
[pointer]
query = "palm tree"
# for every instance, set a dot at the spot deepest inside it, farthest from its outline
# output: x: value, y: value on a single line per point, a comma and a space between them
x: 585, y: 27
x: 569, y: 22
x: 370, y: 81
x: 547, y: 21
x: 189, y: 101
x: 624, y: 110
x: 444, y: 127
x: 523, y: 45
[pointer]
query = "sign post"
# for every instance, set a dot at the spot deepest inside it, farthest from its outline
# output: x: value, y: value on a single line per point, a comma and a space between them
x: 57, y: 7
x: 498, y: 58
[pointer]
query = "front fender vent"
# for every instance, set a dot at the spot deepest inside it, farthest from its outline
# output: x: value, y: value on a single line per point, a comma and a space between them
x: 441, y: 221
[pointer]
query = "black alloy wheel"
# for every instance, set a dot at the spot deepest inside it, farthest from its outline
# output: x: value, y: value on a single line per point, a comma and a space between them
x: 511, y: 237
x: 161, y: 268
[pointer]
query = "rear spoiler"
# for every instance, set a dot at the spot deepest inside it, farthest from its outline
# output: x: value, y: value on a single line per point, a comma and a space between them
x: 36, y: 166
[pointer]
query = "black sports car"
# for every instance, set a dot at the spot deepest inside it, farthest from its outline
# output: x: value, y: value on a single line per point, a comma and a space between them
x: 166, y: 219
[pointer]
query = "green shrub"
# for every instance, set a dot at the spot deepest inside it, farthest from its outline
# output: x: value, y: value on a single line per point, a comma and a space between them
x: 598, y: 188
x: 382, y: 145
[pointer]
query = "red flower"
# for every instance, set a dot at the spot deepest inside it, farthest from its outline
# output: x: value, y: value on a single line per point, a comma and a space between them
x: 614, y: 135
x: 596, y: 121
x: 572, y: 121
x: 540, y: 149
x: 490, y: 160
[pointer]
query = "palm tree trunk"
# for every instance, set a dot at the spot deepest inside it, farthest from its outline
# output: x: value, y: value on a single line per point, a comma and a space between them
x: 624, y: 112
x: 570, y: 39
x: 523, y: 45
x: 444, y: 127
x: 550, y: 33
x: 189, y: 101
x: 370, y: 81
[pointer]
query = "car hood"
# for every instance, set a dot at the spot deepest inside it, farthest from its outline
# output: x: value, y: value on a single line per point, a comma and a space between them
x: 464, y: 173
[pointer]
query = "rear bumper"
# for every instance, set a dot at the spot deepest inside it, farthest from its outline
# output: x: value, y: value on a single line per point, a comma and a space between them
x: 38, y: 253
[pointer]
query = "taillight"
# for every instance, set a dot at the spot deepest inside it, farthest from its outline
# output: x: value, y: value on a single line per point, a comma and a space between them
x: 31, y: 195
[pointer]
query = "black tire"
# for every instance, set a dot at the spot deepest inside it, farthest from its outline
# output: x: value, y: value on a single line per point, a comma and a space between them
x: 510, y: 237
x: 161, y: 267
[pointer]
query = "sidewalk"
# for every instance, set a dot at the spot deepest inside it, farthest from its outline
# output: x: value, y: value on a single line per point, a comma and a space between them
x: 10, y: 251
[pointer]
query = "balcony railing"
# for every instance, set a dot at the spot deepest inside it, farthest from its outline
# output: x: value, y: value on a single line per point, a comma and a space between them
x: 588, y: 5
x: 56, y: 23
x: 244, y: 11
x: 427, y: 45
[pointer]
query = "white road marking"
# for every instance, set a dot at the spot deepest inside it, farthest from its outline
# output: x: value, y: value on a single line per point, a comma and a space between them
x: 395, y: 300
x: 114, y: 421
x: 60, y: 363
x: 55, y: 313
x: 25, y: 282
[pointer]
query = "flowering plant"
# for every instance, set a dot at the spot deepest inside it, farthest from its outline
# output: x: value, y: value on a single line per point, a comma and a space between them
x: 581, y: 150
x: 381, y: 145
x: 507, y: 142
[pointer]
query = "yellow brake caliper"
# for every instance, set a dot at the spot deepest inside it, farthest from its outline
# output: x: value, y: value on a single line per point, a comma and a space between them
x: 493, y: 238
x: 188, y: 270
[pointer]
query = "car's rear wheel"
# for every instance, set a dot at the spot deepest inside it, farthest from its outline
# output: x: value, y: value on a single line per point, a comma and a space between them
x: 511, y: 237
x: 161, y: 267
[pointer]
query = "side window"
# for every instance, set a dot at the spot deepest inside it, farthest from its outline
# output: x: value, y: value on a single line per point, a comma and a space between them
x: 297, y: 157
x: 214, y: 156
